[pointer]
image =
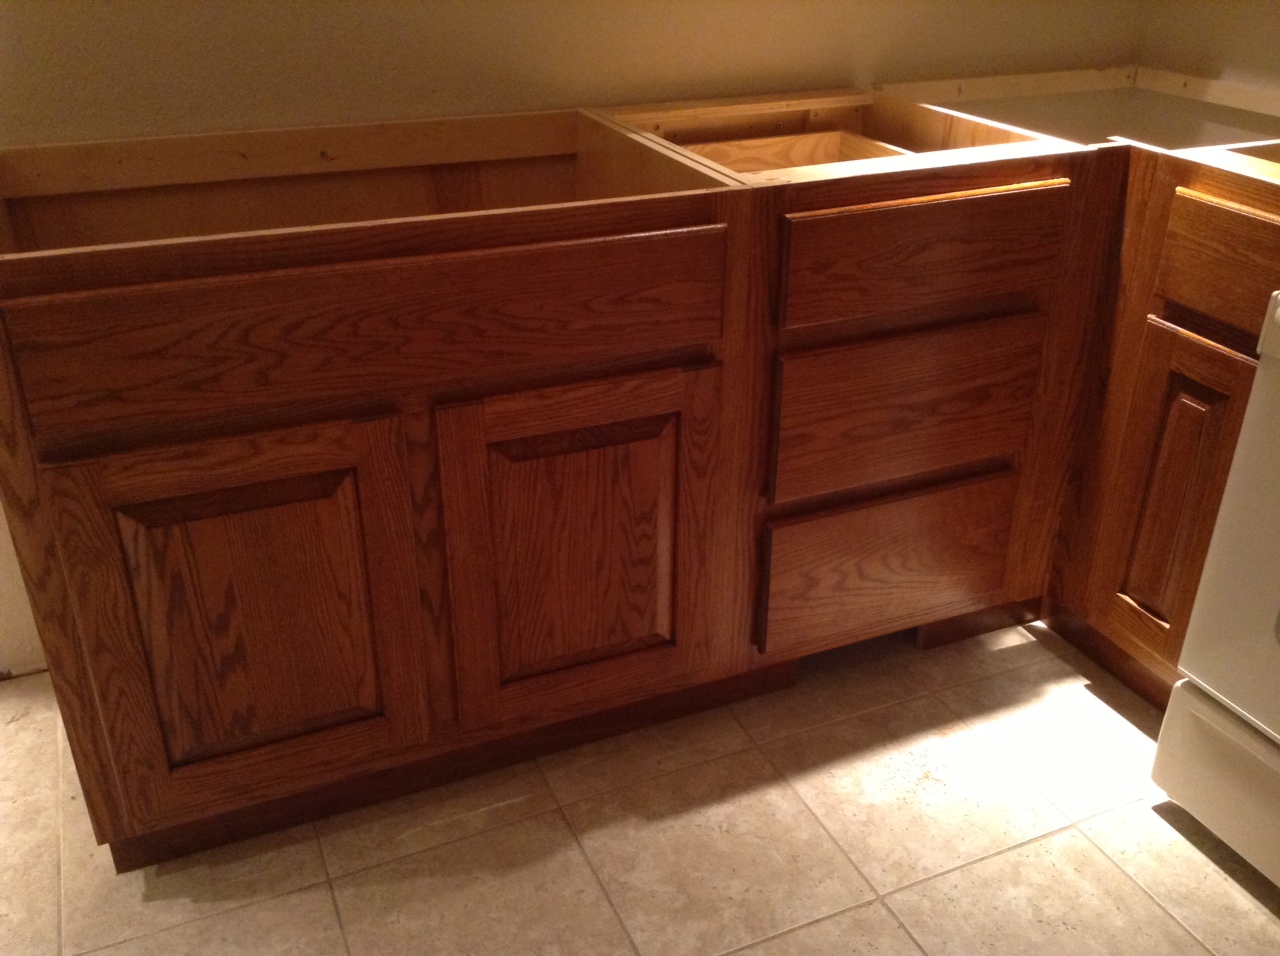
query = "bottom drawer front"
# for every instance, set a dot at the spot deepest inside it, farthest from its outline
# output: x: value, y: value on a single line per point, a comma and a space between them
x: 886, y: 565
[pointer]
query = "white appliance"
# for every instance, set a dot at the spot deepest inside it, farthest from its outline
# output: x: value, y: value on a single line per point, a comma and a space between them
x: 1219, y: 749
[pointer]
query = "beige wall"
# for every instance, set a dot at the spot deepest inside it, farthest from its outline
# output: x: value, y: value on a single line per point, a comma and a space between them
x: 93, y: 69
x: 1236, y: 40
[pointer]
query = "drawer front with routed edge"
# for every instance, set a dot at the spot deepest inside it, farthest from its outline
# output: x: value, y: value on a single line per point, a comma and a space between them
x: 914, y: 255
x: 885, y: 565
x: 104, y: 363
x: 890, y: 408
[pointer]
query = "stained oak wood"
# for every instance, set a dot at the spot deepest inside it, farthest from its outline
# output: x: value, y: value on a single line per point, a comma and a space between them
x: 249, y: 619
x: 579, y: 537
x: 101, y: 364
x: 1221, y: 259
x: 1183, y: 417
x: 886, y: 565
x: 254, y: 612
x: 925, y: 251
x: 1176, y: 382
x: 890, y: 408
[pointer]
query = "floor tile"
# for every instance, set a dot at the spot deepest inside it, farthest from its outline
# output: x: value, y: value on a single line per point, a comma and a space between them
x: 1059, y: 896
x: 641, y: 754
x: 836, y: 684
x: 524, y: 888
x: 28, y: 737
x: 713, y: 857
x: 1229, y: 906
x: 396, y: 828
x: 299, y: 924
x: 101, y: 907
x: 910, y: 790
x: 865, y: 931
x: 980, y: 656
x: 29, y: 875
x: 1050, y: 725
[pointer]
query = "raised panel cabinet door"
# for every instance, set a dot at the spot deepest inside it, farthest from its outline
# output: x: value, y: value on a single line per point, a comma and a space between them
x: 247, y: 608
x: 579, y: 533
x: 1162, y: 493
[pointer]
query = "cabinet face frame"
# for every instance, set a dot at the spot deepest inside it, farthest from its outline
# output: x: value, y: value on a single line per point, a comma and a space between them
x: 356, y: 474
x: 668, y: 422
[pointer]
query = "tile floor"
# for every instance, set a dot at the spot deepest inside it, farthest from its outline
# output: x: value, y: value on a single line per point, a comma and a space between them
x: 987, y: 797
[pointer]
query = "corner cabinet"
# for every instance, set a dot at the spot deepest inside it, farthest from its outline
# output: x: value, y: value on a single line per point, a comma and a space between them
x: 1200, y: 260
x: 247, y: 610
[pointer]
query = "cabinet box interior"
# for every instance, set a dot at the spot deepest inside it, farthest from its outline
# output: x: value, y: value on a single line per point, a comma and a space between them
x: 138, y: 190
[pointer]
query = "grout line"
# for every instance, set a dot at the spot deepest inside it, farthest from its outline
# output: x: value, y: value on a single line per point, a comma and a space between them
x: 898, y: 919
x: 626, y: 930
x: 61, y: 796
x: 877, y: 895
x: 1150, y: 895
x: 865, y: 904
x: 337, y: 912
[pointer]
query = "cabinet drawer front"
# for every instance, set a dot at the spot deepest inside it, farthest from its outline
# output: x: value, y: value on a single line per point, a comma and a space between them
x: 915, y: 255
x: 891, y: 408
x: 1209, y: 240
x: 103, y: 364
x: 855, y: 574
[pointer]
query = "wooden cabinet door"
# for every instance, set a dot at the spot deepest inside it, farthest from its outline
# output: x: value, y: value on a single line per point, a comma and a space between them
x: 1201, y: 257
x: 247, y: 608
x: 1162, y: 497
x: 579, y: 536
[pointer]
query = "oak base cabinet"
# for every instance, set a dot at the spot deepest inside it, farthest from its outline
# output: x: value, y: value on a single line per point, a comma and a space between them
x: 1200, y: 260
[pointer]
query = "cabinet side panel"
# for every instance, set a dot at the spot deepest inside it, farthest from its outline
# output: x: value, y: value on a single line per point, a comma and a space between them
x: 28, y: 513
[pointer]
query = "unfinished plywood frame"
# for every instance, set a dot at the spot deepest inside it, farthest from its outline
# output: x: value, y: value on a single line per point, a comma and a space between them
x: 133, y: 191
x: 816, y: 135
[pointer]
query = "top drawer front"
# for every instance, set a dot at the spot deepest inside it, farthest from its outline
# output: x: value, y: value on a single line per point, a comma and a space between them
x: 918, y: 254
x: 1220, y: 259
x: 99, y: 364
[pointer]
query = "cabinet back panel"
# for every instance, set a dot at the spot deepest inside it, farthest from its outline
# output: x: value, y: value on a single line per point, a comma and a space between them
x: 916, y: 255
x: 203, y: 209
x: 890, y: 408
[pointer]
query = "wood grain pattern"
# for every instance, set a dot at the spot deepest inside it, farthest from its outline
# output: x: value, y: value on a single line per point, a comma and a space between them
x: 1184, y: 416
x: 208, y: 209
x: 800, y: 149
x: 254, y: 614
x: 29, y: 514
x: 70, y: 270
x: 1209, y: 240
x: 927, y: 251
x: 601, y: 584
x: 253, y: 154
x: 921, y: 128
x: 890, y: 408
x: 579, y: 542
x: 101, y: 364
x: 1066, y: 407
x: 171, y: 688
x: 886, y: 565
